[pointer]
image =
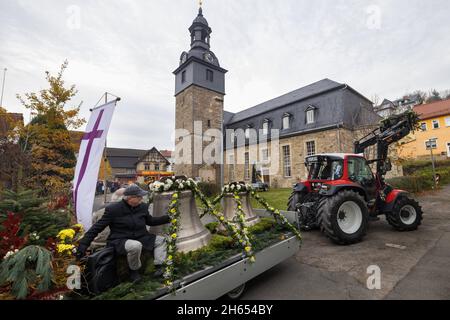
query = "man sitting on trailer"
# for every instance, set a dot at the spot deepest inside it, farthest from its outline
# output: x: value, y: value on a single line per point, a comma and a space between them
x: 128, y: 220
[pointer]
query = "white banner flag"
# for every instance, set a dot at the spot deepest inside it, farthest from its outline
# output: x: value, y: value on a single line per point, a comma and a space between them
x: 88, y: 164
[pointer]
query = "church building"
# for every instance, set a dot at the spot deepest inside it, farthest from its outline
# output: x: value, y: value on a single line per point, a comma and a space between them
x: 323, y: 117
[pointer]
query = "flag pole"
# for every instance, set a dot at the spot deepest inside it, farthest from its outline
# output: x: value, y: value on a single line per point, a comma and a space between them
x: 105, y: 159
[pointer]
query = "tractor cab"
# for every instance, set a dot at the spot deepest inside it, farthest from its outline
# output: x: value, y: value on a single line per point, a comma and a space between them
x: 323, y: 168
x: 330, y: 170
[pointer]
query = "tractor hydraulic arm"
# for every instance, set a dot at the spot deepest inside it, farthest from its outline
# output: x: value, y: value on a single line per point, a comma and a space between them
x: 390, y: 131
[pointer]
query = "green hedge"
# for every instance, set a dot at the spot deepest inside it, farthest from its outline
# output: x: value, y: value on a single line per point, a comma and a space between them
x: 421, y: 180
x: 411, y: 167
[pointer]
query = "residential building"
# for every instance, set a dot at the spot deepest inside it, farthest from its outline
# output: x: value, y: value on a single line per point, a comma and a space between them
x: 388, y: 108
x: 152, y: 166
x: 434, y: 125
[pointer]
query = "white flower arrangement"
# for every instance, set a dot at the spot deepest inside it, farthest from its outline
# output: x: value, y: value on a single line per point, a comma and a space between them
x: 237, y: 186
x: 10, y: 253
x: 173, y: 184
x: 34, y: 236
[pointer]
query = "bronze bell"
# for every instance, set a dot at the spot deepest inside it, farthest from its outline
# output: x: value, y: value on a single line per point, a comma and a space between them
x: 229, y: 208
x: 192, y: 234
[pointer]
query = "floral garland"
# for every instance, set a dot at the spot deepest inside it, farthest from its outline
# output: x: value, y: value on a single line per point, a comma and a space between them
x: 241, y: 221
x: 174, y: 214
x: 240, y: 234
x: 276, y: 213
x: 178, y: 185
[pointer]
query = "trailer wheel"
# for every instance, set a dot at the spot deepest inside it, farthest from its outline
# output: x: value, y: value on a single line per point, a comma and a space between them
x: 236, y: 293
x: 406, y: 215
x: 344, y: 217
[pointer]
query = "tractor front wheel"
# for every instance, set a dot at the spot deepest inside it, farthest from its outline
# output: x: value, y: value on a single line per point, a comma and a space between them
x: 344, y: 217
x: 406, y: 215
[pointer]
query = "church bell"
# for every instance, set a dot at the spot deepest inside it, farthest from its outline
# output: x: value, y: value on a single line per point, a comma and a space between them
x: 229, y: 208
x: 192, y: 235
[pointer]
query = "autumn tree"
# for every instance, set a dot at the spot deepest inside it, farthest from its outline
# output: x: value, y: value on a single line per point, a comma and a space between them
x: 46, y: 138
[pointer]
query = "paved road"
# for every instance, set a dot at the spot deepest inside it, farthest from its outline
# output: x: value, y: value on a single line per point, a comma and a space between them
x: 418, y: 269
x: 99, y: 202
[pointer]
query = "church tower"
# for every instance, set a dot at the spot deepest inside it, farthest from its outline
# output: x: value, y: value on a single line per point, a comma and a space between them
x: 199, y: 93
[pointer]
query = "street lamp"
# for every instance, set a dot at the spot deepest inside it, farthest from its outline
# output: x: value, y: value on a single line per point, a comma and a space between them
x: 432, y: 144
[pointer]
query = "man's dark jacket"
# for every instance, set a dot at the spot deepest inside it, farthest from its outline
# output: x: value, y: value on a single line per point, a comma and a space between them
x: 126, y: 223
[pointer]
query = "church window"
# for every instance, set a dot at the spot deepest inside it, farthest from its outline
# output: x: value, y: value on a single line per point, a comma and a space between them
x: 265, y: 155
x: 231, y: 169
x: 209, y: 123
x: 247, y: 167
x: 209, y: 75
x: 287, y: 161
x: 183, y: 77
x: 286, y: 121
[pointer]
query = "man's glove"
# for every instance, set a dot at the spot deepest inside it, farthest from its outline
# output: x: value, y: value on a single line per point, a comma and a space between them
x: 81, y: 251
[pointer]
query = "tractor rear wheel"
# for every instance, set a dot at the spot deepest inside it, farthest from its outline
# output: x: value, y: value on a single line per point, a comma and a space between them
x: 294, y: 199
x: 344, y: 217
x: 406, y: 215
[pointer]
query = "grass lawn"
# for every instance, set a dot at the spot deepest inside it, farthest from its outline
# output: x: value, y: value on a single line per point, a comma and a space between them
x: 277, y: 198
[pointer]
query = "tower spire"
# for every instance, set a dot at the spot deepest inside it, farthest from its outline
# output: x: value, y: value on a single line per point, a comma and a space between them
x: 200, y: 9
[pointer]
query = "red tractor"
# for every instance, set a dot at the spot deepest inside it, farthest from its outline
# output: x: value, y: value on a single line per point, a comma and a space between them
x: 342, y: 194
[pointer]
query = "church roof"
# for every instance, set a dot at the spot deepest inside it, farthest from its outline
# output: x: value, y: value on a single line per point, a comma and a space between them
x: 309, y: 91
x: 227, y: 116
x: 200, y: 18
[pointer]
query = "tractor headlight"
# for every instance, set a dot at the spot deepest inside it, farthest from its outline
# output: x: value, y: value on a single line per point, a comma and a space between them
x: 325, y: 187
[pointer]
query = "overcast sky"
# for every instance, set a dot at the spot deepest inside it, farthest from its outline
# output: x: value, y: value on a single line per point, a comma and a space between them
x: 270, y: 47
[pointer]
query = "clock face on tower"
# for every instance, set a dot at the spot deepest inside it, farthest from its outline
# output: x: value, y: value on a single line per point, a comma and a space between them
x: 209, y: 57
x: 183, y: 58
